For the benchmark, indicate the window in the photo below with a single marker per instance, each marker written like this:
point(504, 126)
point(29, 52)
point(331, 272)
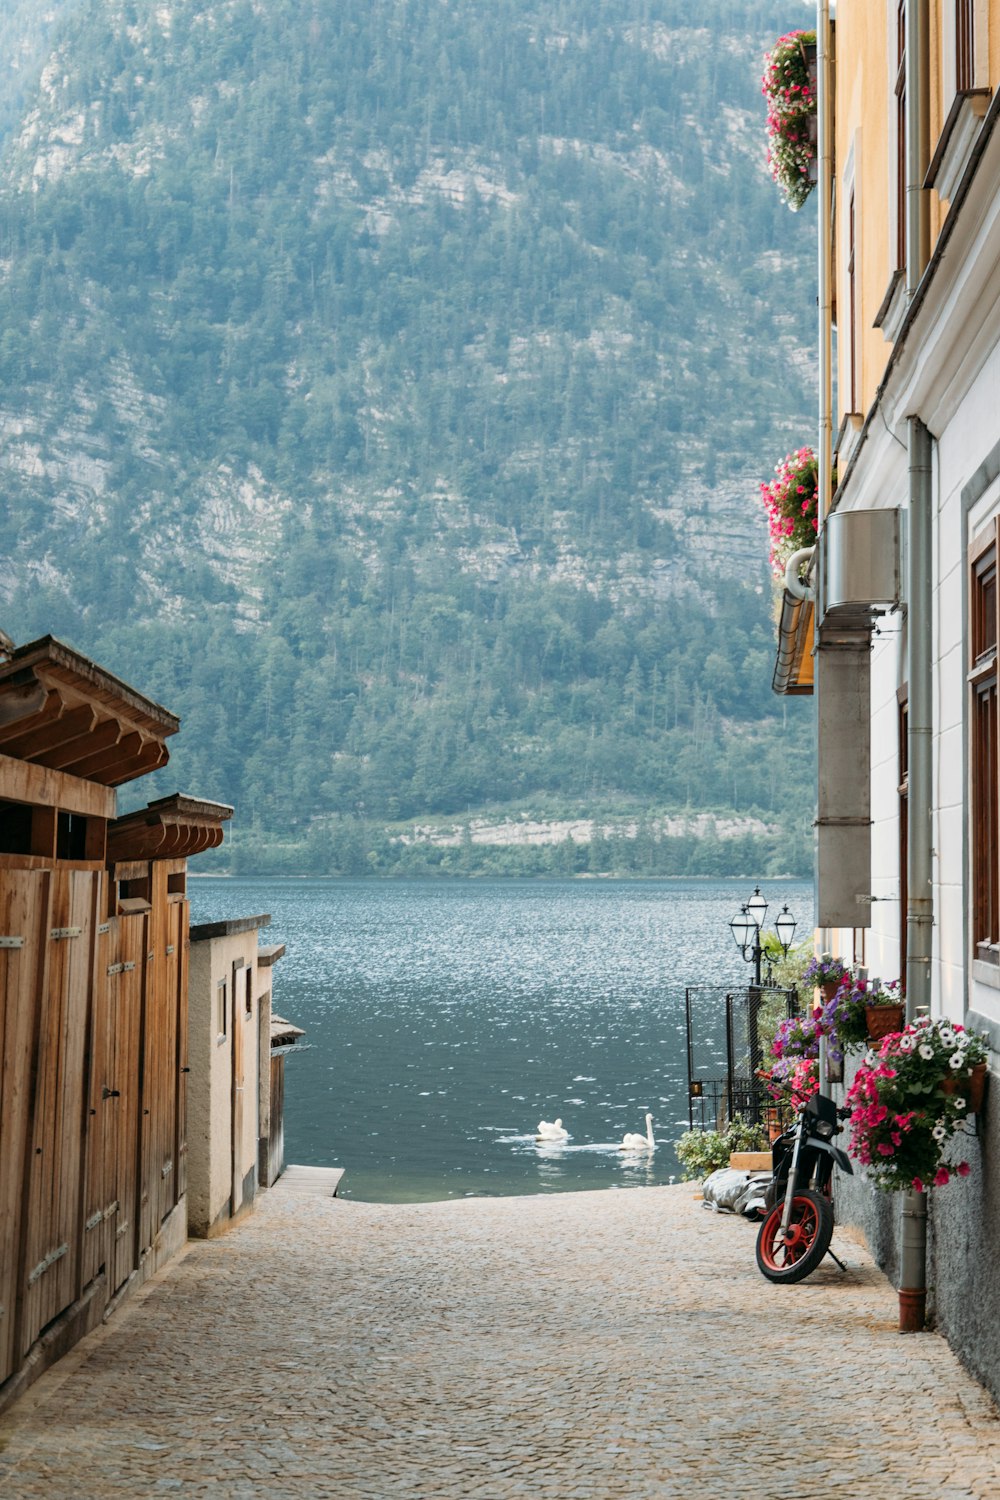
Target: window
point(852, 306)
point(965, 45)
point(222, 1009)
point(985, 766)
point(248, 992)
point(901, 135)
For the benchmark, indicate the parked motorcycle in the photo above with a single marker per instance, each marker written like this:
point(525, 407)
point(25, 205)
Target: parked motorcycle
point(798, 1220)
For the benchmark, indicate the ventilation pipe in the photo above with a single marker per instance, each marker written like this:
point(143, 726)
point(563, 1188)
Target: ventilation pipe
point(793, 568)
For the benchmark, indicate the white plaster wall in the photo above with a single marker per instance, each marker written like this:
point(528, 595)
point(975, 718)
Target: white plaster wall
point(210, 1092)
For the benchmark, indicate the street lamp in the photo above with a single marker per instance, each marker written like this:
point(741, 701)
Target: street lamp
point(746, 928)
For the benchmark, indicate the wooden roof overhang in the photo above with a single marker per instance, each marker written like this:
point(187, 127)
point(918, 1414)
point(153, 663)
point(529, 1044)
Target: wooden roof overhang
point(793, 670)
point(58, 709)
point(170, 828)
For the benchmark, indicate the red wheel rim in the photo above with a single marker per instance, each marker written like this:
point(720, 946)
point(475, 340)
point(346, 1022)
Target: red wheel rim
point(780, 1251)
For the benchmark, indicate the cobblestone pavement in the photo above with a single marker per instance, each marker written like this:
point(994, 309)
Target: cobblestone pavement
point(591, 1345)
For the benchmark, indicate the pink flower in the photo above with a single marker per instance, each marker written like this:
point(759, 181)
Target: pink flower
point(941, 1176)
point(963, 1169)
point(917, 1185)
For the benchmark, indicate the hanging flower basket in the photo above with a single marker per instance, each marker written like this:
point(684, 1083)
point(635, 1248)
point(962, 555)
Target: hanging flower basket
point(973, 1087)
point(909, 1102)
point(789, 86)
point(790, 501)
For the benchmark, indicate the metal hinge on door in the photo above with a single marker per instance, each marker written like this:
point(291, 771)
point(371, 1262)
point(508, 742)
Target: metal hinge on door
point(104, 927)
point(64, 932)
point(11, 942)
point(115, 968)
point(127, 968)
point(43, 1265)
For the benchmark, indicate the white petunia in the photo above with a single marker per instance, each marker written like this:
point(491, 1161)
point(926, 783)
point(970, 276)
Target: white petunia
point(960, 1105)
point(956, 1060)
point(948, 1036)
point(907, 1043)
point(926, 1052)
point(939, 1132)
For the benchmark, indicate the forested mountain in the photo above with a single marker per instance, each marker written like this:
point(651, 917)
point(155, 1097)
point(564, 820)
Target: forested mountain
point(385, 385)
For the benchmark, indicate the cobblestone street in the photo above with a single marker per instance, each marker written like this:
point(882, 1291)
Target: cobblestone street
point(593, 1345)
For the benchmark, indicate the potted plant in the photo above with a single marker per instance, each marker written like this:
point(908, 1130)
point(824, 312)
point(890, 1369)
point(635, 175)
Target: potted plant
point(826, 974)
point(789, 86)
point(702, 1152)
point(884, 1010)
point(860, 1011)
point(790, 502)
point(909, 1101)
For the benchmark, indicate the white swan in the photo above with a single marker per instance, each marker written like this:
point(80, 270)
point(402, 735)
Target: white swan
point(633, 1141)
point(549, 1130)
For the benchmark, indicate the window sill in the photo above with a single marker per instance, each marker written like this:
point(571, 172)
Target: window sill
point(954, 147)
point(985, 973)
point(894, 304)
point(847, 437)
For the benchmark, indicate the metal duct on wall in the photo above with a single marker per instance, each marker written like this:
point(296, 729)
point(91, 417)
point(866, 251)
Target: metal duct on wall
point(861, 558)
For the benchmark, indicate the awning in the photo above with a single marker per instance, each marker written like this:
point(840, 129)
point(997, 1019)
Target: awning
point(170, 828)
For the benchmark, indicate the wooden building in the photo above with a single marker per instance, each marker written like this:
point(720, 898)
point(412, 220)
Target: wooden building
point(93, 1001)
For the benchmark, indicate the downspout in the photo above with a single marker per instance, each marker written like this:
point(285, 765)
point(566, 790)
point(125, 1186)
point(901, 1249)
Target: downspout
point(920, 906)
point(919, 604)
point(824, 153)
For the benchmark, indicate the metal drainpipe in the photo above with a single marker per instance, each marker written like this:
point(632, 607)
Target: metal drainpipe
point(919, 914)
point(920, 906)
point(824, 153)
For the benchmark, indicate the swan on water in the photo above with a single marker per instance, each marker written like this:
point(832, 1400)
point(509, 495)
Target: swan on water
point(633, 1141)
point(549, 1130)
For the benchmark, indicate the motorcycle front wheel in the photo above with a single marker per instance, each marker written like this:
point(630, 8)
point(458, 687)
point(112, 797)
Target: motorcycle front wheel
point(796, 1255)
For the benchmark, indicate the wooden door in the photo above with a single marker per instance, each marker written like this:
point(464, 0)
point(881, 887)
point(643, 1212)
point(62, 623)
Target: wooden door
point(123, 1100)
point(99, 1178)
point(54, 1197)
point(24, 927)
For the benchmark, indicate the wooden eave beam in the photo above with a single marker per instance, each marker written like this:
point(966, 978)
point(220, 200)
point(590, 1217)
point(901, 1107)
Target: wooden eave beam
point(24, 697)
point(80, 748)
point(151, 757)
point(53, 726)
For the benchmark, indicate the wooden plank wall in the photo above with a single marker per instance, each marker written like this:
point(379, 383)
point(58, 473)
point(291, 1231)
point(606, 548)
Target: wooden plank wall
point(93, 1041)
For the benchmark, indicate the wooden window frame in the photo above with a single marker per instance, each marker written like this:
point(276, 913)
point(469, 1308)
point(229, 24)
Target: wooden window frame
point(900, 93)
point(965, 46)
point(984, 754)
point(852, 300)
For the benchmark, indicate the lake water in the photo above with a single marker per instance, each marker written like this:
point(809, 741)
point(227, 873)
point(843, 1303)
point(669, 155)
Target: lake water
point(446, 1018)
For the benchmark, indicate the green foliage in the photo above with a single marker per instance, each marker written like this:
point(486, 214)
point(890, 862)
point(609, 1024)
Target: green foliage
point(476, 304)
point(701, 1152)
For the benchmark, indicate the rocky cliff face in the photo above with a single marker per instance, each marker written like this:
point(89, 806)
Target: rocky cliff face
point(321, 316)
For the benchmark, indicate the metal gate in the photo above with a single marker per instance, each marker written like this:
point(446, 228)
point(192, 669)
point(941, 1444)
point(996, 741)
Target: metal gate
point(728, 1031)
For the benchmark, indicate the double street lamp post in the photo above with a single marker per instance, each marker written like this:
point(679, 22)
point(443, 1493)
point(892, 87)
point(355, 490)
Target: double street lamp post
point(747, 927)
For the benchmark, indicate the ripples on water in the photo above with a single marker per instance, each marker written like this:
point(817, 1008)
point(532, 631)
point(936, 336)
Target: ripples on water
point(445, 1019)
